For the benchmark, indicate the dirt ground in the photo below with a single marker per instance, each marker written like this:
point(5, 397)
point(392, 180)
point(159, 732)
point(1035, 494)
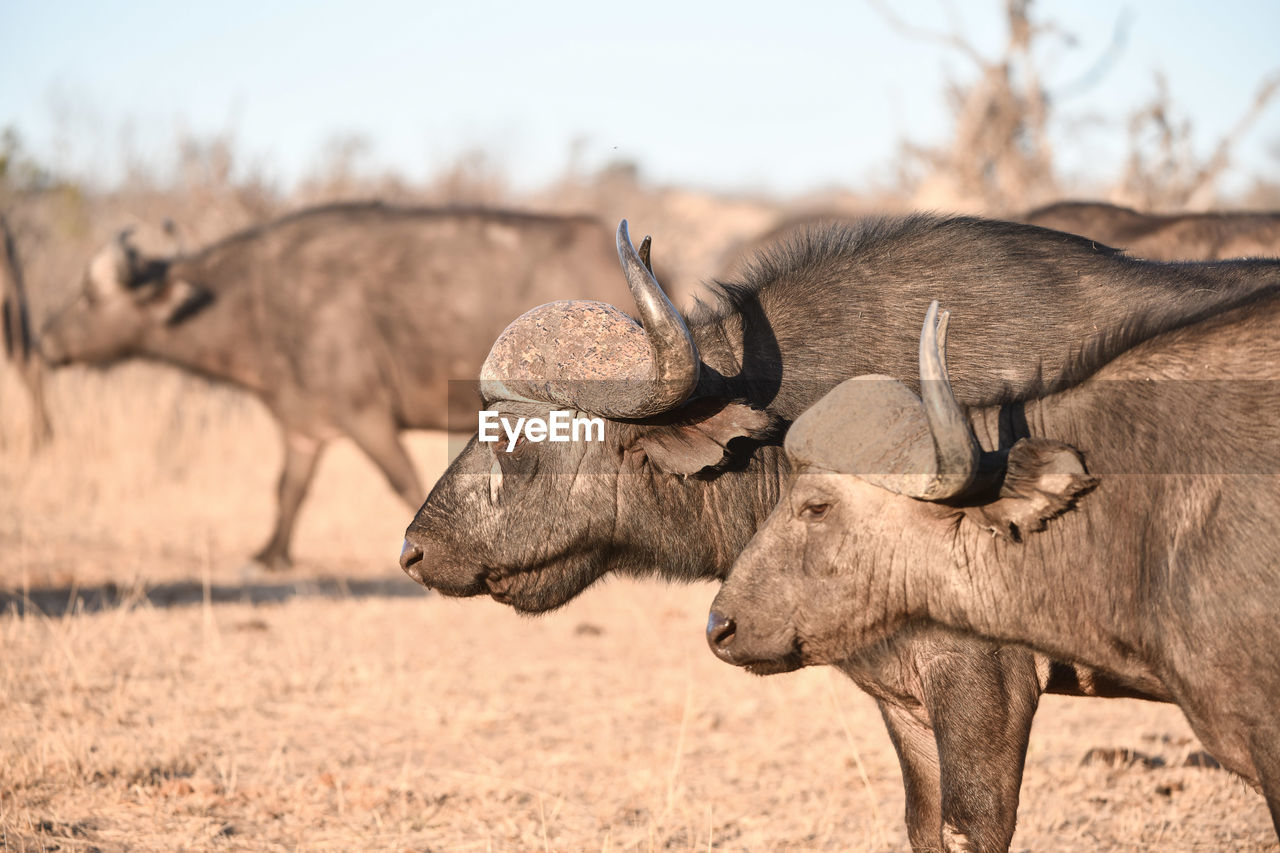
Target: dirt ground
point(155, 695)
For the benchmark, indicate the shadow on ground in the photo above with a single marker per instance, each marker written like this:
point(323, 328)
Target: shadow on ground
point(58, 601)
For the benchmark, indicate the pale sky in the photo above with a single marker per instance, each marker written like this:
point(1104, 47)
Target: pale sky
point(731, 96)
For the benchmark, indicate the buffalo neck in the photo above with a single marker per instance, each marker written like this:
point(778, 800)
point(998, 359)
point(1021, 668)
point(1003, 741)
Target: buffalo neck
point(1185, 461)
point(1048, 584)
point(222, 341)
point(1066, 590)
point(1060, 590)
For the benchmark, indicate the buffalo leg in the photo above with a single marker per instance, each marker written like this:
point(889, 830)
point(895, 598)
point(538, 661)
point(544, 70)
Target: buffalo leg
point(914, 742)
point(1271, 789)
point(1266, 758)
point(981, 701)
point(41, 431)
point(300, 455)
point(380, 440)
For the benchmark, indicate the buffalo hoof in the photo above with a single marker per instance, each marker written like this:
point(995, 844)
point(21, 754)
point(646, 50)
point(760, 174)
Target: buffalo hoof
point(270, 561)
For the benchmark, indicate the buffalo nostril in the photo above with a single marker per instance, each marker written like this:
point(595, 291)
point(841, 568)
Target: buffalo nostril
point(720, 630)
point(410, 555)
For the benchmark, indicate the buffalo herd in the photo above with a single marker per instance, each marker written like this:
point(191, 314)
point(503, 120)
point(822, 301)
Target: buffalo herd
point(1066, 481)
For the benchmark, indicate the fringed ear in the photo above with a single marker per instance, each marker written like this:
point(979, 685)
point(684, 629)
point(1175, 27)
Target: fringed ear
point(175, 301)
point(697, 436)
point(1043, 479)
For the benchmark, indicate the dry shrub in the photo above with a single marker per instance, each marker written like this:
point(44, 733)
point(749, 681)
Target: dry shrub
point(1162, 170)
point(999, 156)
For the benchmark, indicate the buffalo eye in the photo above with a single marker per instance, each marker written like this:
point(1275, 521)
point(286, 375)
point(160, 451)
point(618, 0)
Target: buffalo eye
point(515, 459)
point(814, 511)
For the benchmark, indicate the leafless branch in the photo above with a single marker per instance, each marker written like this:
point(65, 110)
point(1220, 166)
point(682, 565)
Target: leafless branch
point(1101, 65)
point(1221, 157)
point(952, 40)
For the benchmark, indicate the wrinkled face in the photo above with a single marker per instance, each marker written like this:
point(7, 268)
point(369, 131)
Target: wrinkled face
point(117, 304)
point(535, 526)
point(816, 584)
point(530, 526)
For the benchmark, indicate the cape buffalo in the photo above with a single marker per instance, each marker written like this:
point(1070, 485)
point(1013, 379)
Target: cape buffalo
point(1166, 237)
point(1159, 561)
point(15, 333)
point(348, 319)
point(690, 464)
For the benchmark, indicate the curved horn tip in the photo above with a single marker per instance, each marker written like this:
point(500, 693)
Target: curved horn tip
point(931, 317)
point(646, 246)
point(928, 334)
point(675, 355)
point(933, 336)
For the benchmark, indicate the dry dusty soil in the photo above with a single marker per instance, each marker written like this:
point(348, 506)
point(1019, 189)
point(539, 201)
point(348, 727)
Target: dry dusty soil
point(156, 696)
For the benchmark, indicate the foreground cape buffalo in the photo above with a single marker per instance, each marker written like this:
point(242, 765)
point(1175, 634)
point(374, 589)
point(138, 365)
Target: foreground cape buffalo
point(690, 464)
point(347, 320)
point(1164, 566)
point(1166, 237)
point(15, 334)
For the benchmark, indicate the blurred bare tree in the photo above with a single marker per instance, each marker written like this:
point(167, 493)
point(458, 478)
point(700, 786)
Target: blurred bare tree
point(1264, 194)
point(212, 176)
point(999, 157)
point(473, 178)
point(345, 171)
point(19, 171)
point(1162, 170)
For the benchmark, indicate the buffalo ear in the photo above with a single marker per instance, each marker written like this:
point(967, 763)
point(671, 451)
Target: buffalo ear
point(1043, 479)
point(178, 299)
point(697, 436)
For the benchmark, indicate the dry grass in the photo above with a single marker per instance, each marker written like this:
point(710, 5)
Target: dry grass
point(358, 713)
point(425, 724)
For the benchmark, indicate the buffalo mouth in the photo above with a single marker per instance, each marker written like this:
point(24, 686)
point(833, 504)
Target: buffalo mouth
point(789, 662)
point(519, 590)
point(761, 662)
point(499, 585)
point(543, 586)
point(452, 591)
point(436, 567)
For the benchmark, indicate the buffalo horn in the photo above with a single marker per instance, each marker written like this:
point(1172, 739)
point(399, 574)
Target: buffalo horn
point(675, 356)
point(957, 451)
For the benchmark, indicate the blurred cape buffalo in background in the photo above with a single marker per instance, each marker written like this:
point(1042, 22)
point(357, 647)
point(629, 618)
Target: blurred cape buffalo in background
point(691, 462)
point(1157, 237)
point(1166, 237)
point(1159, 563)
point(19, 344)
point(345, 320)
